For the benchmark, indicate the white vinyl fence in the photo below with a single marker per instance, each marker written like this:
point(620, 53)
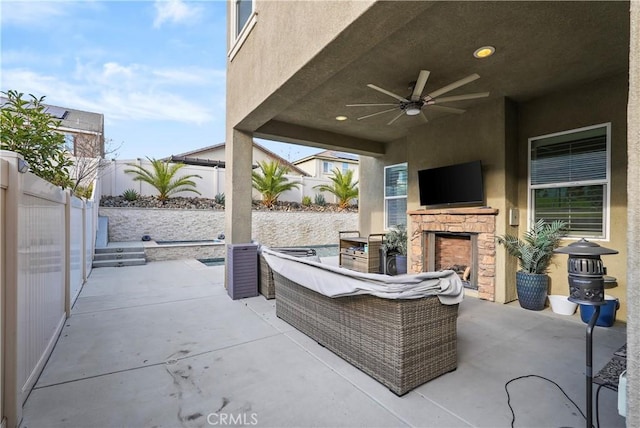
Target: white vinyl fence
point(115, 181)
point(43, 252)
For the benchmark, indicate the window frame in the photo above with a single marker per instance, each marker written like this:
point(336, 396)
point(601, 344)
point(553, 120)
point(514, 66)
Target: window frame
point(328, 169)
point(239, 36)
point(606, 183)
point(386, 198)
point(70, 142)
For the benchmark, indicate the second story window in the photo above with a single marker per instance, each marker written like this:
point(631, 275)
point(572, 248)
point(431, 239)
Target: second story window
point(69, 143)
point(243, 11)
point(345, 167)
point(326, 167)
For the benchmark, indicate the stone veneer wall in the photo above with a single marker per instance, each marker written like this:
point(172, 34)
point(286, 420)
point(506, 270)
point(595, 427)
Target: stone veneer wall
point(272, 228)
point(480, 221)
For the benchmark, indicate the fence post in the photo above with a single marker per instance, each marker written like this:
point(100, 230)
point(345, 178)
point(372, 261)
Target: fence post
point(84, 241)
point(11, 394)
point(67, 254)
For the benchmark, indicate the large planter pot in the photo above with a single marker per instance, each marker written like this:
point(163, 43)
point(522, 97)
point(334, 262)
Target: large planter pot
point(401, 264)
point(532, 290)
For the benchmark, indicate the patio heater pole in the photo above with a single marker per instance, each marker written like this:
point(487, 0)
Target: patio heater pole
point(589, 370)
point(586, 287)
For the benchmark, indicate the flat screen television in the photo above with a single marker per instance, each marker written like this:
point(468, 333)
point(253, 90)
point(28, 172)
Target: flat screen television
point(459, 184)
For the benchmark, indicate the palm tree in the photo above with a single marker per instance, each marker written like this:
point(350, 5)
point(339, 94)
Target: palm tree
point(342, 187)
point(271, 181)
point(162, 178)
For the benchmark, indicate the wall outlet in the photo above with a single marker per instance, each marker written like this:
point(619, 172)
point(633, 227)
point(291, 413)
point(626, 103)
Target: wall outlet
point(514, 217)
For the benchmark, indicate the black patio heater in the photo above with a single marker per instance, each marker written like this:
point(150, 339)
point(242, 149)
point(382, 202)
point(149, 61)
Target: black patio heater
point(586, 287)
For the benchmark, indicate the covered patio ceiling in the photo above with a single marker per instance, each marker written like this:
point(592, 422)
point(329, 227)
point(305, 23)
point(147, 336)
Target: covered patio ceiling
point(541, 47)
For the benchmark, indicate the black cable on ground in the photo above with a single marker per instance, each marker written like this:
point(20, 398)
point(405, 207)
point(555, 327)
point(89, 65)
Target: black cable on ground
point(513, 415)
point(598, 405)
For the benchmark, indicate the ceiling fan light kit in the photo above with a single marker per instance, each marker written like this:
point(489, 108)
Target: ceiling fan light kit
point(413, 104)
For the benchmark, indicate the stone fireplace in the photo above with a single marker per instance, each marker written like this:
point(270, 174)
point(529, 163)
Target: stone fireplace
point(461, 239)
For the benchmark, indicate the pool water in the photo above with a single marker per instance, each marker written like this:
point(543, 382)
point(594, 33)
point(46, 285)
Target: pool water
point(203, 241)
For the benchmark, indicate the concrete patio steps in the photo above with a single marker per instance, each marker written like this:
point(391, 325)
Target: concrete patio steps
point(118, 256)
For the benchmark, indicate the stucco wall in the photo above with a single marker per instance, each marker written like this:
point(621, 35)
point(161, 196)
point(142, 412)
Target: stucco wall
point(273, 228)
point(275, 49)
point(486, 133)
point(595, 103)
point(633, 234)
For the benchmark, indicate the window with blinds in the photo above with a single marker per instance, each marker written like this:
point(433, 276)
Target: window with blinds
point(569, 180)
point(395, 195)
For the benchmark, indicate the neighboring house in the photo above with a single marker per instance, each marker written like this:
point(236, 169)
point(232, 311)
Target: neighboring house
point(215, 156)
point(322, 165)
point(83, 130)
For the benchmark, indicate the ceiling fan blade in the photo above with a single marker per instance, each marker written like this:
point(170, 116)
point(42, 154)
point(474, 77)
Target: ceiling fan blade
point(395, 118)
point(423, 117)
point(384, 91)
point(375, 114)
point(461, 97)
point(370, 105)
point(420, 84)
point(446, 109)
point(452, 86)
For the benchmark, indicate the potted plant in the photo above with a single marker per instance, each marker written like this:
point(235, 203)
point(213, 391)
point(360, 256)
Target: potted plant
point(395, 244)
point(534, 253)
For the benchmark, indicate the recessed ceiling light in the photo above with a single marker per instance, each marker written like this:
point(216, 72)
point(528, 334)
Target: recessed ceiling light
point(484, 52)
point(341, 118)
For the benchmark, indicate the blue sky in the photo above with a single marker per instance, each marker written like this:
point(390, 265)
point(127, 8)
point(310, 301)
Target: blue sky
point(155, 69)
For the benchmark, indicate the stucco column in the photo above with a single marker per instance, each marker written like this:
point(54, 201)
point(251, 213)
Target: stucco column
point(633, 222)
point(237, 188)
point(370, 196)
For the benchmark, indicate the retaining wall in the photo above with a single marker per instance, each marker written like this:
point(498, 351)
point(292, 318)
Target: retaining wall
point(272, 228)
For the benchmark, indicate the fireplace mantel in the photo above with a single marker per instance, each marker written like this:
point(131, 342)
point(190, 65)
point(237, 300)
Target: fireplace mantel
point(456, 211)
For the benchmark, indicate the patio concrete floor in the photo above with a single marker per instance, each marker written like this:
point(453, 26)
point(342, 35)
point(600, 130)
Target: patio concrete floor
point(162, 345)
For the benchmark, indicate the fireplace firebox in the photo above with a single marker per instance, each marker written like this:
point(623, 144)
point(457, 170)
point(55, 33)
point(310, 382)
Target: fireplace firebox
point(456, 251)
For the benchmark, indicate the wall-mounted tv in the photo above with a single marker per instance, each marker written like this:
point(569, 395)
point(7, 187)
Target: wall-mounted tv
point(459, 184)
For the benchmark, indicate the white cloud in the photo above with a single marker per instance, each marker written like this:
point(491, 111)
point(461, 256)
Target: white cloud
point(174, 11)
point(129, 92)
point(190, 76)
point(25, 13)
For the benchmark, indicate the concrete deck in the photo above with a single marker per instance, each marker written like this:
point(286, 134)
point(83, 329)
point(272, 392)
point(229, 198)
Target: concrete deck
point(162, 345)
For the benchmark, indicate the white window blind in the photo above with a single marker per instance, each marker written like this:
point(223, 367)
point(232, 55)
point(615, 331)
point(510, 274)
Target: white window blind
point(569, 180)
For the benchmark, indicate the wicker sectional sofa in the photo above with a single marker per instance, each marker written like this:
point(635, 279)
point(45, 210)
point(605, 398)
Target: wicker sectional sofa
point(402, 343)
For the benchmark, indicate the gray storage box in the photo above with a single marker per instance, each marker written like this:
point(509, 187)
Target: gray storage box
point(242, 270)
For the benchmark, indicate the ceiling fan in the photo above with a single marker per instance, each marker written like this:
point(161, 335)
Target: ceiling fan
point(413, 104)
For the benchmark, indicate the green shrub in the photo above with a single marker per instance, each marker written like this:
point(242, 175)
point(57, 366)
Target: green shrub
point(306, 201)
point(320, 200)
point(130, 195)
point(27, 128)
point(84, 191)
point(219, 199)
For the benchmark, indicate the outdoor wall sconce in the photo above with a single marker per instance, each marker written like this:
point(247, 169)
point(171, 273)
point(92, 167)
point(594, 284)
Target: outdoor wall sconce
point(23, 166)
point(586, 287)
